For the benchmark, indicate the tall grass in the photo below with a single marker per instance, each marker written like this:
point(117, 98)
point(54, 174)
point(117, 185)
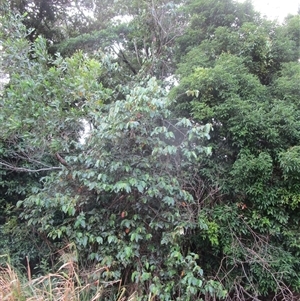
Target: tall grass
point(67, 284)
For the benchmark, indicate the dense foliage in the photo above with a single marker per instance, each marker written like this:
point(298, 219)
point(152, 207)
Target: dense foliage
point(238, 73)
point(189, 193)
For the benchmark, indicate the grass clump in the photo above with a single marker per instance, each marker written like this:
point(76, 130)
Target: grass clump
point(66, 284)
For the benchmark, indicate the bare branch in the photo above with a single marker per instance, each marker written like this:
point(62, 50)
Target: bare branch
point(23, 169)
point(27, 158)
point(127, 62)
point(136, 53)
point(88, 19)
point(61, 160)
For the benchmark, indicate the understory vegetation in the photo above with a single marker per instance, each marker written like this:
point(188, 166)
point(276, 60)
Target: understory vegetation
point(149, 150)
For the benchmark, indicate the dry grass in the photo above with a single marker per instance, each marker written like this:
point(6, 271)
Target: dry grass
point(10, 286)
point(67, 284)
point(61, 286)
point(64, 285)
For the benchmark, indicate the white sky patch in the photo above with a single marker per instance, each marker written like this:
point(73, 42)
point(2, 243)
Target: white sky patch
point(171, 82)
point(276, 9)
point(4, 78)
point(87, 128)
point(122, 19)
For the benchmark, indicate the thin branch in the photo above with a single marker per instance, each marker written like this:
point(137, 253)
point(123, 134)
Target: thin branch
point(61, 160)
point(136, 52)
point(27, 158)
point(23, 169)
point(88, 19)
point(124, 59)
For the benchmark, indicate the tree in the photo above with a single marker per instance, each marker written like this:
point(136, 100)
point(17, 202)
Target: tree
point(125, 196)
point(232, 79)
point(144, 44)
point(205, 16)
point(42, 116)
point(45, 17)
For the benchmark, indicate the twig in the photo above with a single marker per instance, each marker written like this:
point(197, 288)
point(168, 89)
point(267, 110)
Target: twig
point(23, 169)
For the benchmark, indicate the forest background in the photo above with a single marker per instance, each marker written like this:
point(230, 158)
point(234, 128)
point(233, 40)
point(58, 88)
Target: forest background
point(186, 186)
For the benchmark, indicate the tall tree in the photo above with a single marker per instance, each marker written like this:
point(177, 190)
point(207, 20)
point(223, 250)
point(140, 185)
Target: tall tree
point(33, 139)
point(232, 77)
point(124, 196)
point(144, 42)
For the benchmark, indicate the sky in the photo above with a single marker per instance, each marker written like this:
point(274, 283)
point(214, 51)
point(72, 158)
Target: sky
point(276, 9)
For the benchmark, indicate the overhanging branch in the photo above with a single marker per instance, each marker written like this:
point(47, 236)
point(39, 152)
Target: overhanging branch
point(11, 167)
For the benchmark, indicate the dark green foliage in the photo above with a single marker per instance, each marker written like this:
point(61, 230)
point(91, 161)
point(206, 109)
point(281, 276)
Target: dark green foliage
point(124, 197)
point(41, 113)
point(244, 79)
point(172, 208)
point(40, 15)
point(205, 16)
point(126, 200)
